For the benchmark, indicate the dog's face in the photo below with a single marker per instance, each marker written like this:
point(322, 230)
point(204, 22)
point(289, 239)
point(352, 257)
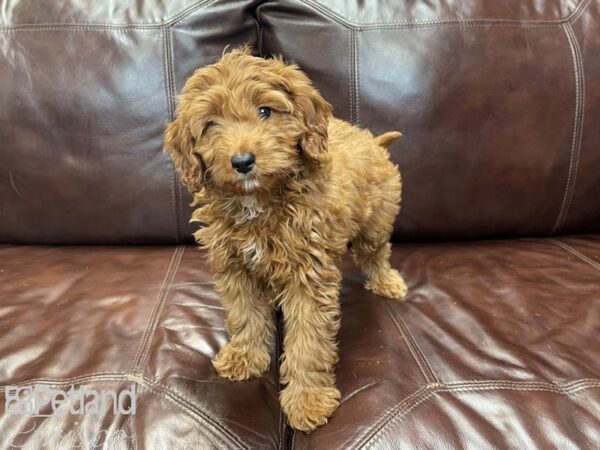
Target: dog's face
point(246, 124)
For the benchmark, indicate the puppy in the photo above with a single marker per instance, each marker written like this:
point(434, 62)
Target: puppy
point(283, 188)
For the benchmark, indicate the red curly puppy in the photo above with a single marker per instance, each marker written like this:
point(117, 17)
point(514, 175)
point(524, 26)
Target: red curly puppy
point(284, 186)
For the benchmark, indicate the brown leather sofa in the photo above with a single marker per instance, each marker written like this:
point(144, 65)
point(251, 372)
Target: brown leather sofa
point(498, 342)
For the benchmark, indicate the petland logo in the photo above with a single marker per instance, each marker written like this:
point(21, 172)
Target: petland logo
point(43, 401)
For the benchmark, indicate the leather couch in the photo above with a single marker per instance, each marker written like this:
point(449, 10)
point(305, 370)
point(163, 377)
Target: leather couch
point(498, 342)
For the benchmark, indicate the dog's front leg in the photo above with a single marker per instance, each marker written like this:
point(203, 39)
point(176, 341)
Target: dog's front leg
point(249, 324)
point(310, 306)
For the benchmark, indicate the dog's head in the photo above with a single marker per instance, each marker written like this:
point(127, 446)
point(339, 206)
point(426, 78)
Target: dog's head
point(246, 124)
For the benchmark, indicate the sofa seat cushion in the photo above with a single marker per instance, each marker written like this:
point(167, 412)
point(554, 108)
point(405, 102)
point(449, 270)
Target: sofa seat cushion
point(496, 345)
point(111, 317)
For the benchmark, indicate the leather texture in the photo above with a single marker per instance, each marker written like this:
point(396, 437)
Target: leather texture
point(109, 317)
point(498, 342)
point(496, 346)
point(86, 91)
point(495, 99)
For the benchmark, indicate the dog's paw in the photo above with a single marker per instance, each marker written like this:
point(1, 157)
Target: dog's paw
point(307, 408)
point(389, 284)
point(239, 365)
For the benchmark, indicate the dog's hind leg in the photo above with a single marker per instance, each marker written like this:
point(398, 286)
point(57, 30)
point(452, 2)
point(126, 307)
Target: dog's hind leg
point(371, 249)
point(374, 262)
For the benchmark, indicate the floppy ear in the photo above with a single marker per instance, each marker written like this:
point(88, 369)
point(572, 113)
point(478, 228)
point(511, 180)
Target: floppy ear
point(315, 113)
point(312, 111)
point(179, 144)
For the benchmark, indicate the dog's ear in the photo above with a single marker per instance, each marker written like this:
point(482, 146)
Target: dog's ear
point(179, 144)
point(314, 113)
point(310, 108)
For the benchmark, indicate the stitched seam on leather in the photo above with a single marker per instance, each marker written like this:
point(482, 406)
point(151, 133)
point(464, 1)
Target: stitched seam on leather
point(170, 116)
point(356, 79)
point(161, 305)
point(75, 28)
point(422, 395)
point(382, 422)
point(510, 384)
point(578, 11)
point(158, 306)
point(577, 128)
point(259, 32)
point(171, 99)
point(351, 74)
point(413, 347)
point(576, 253)
point(174, 19)
point(443, 21)
point(186, 404)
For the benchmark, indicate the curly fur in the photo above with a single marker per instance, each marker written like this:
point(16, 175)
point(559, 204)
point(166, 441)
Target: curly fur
point(275, 235)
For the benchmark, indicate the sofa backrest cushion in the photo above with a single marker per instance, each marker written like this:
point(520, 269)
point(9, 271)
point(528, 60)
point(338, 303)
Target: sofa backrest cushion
point(497, 102)
point(86, 89)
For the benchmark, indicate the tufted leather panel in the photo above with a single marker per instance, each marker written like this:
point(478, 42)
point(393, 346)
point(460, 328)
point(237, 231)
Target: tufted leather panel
point(86, 91)
point(494, 100)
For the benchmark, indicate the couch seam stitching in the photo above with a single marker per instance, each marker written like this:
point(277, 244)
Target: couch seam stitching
point(180, 218)
point(161, 305)
point(427, 392)
point(159, 298)
point(176, 18)
point(351, 74)
point(491, 21)
point(356, 78)
point(381, 423)
point(413, 347)
point(173, 176)
point(577, 129)
point(260, 29)
point(186, 404)
point(576, 253)
point(170, 93)
point(578, 11)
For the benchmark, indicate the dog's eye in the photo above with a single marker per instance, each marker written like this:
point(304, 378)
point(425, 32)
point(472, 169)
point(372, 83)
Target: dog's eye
point(264, 112)
point(211, 124)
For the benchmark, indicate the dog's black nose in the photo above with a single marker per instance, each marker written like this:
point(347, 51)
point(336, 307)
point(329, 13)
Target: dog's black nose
point(243, 162)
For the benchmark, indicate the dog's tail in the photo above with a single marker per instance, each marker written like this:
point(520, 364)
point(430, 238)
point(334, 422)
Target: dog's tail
point(386, 139)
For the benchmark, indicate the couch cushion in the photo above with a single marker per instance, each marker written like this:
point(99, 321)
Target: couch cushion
point(495, 99)
point(108, 318)
point(86, 89)
point(496, 346)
